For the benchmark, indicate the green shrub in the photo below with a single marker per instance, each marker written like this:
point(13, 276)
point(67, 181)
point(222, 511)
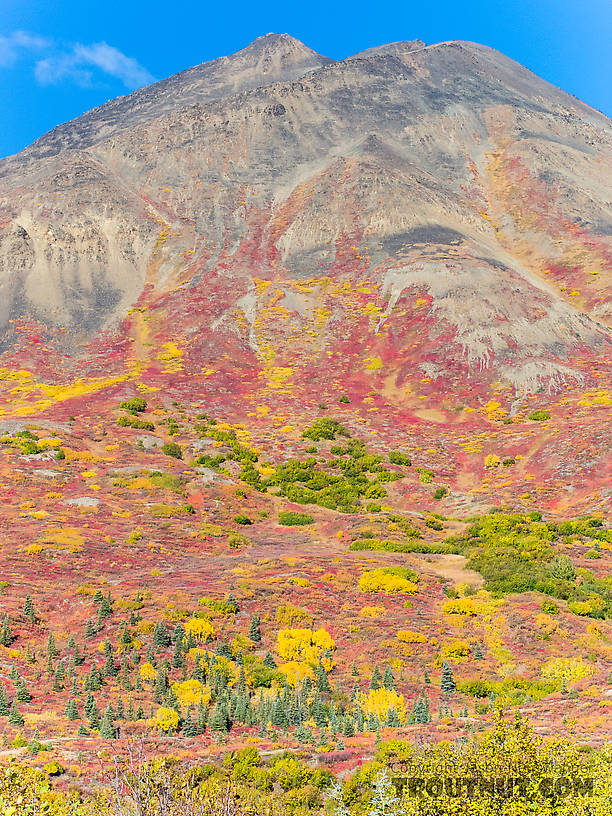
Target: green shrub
point(242, 519)
point(136, 405)
point(172, 449)
point(539, 416)
point(325, 428)
point(440, 492)
point(135, 422)
point(399, 458)
point(291, 519)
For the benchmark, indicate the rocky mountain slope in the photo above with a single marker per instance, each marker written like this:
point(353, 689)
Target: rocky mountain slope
point(428, 227)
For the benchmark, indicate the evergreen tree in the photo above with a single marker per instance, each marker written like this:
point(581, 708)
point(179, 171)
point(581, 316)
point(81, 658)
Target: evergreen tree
point(21, 692)
point(6, 635)
point(447, 680)
point(254, 630)
point(120, 710)
point(161, 638)
point(78, 657)
point(388, 679)
point(178, 661)
point(179, 635)
point(4, 701)
point(376, 680)
point(219, 720)
point(82, 732)
point(58, 678)
point(478, 652)
point(201, 719)
point(189, 729)
point(90, 629)
point(105, 609)
point(98, 597)
point(322, 679)
point(279, 715)
point(72, 712)
point(14, 716)
point(130, 714)
point(269, 661)
point(51, 647)
point(110, 669)
point(93, 681)
point(318, 711)
point(107, 725)
point(28, 610)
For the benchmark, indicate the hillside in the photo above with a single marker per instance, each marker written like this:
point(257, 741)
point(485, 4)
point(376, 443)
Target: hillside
point(322, 342)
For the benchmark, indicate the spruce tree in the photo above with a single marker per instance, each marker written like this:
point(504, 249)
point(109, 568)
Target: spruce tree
point(254, 630)
point(279, 715)
point(107, 725)
point(269, 661)
point(51, 647)
point(14, 716)
point(6, 635)
point(21, 692)
point(4, 701)
point(189, 729)
point(447, 680)
point(72, 712)
point(201, 718)
point(58, 678)
point(478, 652)
point(90, 629)
point(388, 679)
point(322, 679)
point(28, 610)
point(179, 634)
point(161, 638)
point(219, 718)
point(376, 679)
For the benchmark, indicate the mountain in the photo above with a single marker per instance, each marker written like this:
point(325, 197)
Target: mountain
point(305, 434)
point(425, 226)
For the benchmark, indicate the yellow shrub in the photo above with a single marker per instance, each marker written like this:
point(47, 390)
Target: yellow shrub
point(472, 605)
point(34, 549)
point(491, 461)
point(191, 692)
point(545, 625)
point(210, 530)
point(457, 650)
point(569, 669)
point(201, 629)
point(372, 611)
point(381, 701)
point(304, 645)
point(147, 672)
point(294, 670)
point(302, 582)
point(407, 636)
point(166, 719)
point(379, 580)
point(288, 614)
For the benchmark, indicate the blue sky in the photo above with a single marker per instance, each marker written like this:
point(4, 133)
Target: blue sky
point(59, 59)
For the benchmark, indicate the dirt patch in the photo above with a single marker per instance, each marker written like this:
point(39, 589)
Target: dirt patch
point(452, 568)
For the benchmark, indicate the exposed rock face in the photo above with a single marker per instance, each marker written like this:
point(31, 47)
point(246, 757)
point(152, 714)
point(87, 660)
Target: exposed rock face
point(437, 208)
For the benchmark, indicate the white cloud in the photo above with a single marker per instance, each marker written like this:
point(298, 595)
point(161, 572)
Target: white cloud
point(13, 46)
point(113, 62)
point(78, 63)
